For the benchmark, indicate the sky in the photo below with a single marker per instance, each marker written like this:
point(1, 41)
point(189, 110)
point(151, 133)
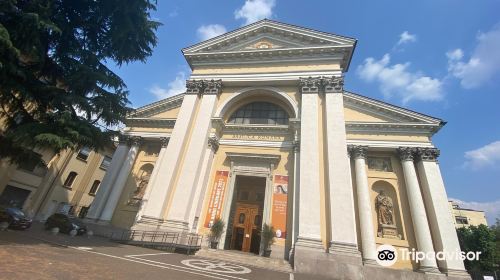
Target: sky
point(438, 57)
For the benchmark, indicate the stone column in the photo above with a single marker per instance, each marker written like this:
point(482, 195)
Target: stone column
point(440, 218)
point(368, 243)
point(108, 181)
point(343, 221)
point(169, 166)
point(185, 191)
point(154, 175)
point(417, 209)
point(121, 180)
point(296, 187)
point(202, 183)
point(309, 235)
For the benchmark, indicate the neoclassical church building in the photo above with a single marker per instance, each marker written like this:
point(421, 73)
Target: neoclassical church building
point(266, 134)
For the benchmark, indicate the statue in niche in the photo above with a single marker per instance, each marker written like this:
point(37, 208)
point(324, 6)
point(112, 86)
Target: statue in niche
point(142, 183)
point(385, 216)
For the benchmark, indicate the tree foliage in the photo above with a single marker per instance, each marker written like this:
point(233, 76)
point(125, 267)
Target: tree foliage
point(479, 239)
point(55, 88)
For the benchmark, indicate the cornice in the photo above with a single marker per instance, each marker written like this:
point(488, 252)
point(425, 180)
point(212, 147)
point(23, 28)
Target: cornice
point(150, 122)
point(267, 129)
point(391, 128)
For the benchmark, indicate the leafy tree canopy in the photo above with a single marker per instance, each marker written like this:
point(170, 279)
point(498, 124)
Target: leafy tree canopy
point(55, 88)
point(479, 239)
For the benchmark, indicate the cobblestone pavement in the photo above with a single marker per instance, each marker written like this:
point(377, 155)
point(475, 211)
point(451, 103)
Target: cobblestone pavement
point(36, 254)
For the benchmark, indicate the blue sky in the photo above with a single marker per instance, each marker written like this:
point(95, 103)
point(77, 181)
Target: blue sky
point(440, 58)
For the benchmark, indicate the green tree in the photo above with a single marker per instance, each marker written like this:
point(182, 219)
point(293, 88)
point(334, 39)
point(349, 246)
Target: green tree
point(496, 229)
point(56, 91)
point(479, 239)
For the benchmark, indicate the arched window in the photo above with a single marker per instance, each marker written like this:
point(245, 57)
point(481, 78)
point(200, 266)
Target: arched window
point(94, 187)
point(260, 113)
point(70, 179)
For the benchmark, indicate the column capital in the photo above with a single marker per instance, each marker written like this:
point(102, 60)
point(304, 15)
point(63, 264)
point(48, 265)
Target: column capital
point(164, 141)
point(213, 143)
point(200, 87)
point(123, 139)
point(135, 140)
point(194, 86)
point(406, 153)
point(333, 84)
point(296, 146)
point(357, 151)
point(427, 154)
point(212, 86)
point(310, 84)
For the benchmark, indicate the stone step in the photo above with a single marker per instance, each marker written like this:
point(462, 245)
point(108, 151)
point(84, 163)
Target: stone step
point(246, 259)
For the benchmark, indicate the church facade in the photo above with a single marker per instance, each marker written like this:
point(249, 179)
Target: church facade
point(266, 134)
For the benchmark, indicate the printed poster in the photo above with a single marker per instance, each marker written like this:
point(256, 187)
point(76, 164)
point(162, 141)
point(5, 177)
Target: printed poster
point(217, 197)
point(280, 198)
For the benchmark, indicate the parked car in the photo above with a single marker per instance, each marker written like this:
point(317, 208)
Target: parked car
point(65, 224)
point(15, 217)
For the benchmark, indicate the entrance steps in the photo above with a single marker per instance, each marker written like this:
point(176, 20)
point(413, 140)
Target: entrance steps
point(247, 259)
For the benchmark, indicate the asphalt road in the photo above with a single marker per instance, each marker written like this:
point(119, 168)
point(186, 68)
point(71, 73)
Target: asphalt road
point(40, 255)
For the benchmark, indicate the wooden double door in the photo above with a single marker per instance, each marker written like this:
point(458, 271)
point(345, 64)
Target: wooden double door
point(247, 225)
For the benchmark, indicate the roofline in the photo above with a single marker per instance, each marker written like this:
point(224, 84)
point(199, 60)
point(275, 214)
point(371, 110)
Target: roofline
point(441, 121)
point(271, 21)
point(151, 105)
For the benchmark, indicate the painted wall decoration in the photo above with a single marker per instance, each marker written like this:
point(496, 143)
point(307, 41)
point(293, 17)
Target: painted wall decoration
point(216, 197)
point(280, 200)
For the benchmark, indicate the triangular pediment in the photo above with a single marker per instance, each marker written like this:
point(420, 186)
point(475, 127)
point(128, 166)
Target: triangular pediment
point(268, 34)
point(163, 109)
point(363, 108)
point(267, 38)
point(363, 113)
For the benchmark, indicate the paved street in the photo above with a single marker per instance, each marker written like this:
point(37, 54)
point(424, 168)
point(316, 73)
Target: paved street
point(36, 254)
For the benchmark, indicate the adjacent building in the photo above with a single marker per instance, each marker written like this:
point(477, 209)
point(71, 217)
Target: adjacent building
point(463, 217)
point(68, 183)
point(266, 133)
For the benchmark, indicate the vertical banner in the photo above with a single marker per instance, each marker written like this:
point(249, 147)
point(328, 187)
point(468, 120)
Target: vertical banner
point(280, 198)
point(217, 197)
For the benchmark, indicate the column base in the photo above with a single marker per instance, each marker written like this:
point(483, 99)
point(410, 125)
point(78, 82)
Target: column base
point(97, 221)
point(457, 274)
point(370, 262)
point(429, 270)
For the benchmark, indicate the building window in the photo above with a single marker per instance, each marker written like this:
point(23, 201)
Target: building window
point(83, 212)
point(260, 113)
point(94, 187)
point(83, 154)
point(106, 162)
point(70, 179)
point(462, 220)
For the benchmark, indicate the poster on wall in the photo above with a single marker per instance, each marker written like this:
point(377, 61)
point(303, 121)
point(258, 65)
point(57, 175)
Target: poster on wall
point(280, 198)
point(216, 197)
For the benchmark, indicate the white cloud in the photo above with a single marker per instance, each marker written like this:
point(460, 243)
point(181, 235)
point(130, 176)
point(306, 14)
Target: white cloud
point(491, 209)
point(483, 64)
point(178, 85)
point(209, 31)
point(488, 155)
point(406, 37)
point(397, 80)
point(254, 10)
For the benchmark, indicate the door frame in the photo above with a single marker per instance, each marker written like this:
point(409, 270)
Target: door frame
point(252, 165)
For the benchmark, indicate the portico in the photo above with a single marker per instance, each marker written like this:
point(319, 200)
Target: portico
point(266, 134)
